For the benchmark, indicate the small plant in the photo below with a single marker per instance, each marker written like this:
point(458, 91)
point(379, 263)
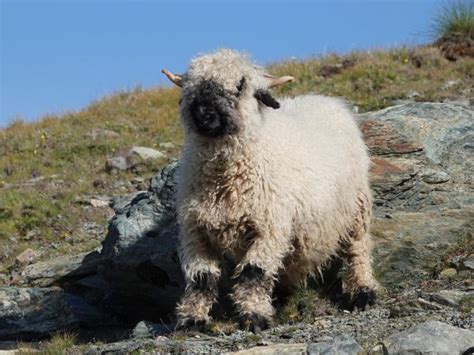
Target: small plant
point(455, 18)
point(454, 29)
point(60, 343)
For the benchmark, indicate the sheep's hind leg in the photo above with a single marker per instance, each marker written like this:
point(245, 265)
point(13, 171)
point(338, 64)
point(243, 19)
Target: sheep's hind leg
point(361, 282)
point(252, 296)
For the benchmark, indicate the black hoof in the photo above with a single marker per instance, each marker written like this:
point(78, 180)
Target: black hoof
point(363, 298)
point(253, 322)
point(196, 325)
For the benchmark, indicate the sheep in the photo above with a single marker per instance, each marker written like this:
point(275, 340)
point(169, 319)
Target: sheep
point(268, 190)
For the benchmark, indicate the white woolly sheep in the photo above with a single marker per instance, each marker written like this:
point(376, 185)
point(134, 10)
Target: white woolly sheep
point(268, 190)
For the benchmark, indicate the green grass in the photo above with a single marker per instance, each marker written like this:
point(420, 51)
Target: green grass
point(48, 215)
point(376, 78)
point(59, 344)
point(455, 18)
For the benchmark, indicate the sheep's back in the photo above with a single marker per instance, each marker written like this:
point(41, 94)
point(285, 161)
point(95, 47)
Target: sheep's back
point(319, 156)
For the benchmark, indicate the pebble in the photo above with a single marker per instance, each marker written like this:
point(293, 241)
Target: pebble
point(147, 153)
point(28, 256)
point(468, 263)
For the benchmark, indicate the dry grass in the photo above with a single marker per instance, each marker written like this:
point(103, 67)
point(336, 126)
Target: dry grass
point(373, 80)
point(47, 215)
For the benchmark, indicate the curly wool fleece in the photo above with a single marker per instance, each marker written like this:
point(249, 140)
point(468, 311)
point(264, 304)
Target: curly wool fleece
point(273, 200)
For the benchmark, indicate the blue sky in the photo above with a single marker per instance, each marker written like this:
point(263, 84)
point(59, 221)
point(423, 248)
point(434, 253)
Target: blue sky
point(58, 56)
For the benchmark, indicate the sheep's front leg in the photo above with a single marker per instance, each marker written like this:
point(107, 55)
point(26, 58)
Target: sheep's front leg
point(255, 276)
point(252, 297)
point(201, 273)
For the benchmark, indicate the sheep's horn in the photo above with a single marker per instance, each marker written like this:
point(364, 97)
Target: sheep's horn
point(274, 81)
point(175, 78)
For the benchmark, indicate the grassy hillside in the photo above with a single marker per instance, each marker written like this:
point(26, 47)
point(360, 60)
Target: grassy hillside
point(50, 170)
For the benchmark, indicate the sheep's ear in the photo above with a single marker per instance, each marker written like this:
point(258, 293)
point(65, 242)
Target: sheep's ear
point(174, 78)
point(273, 81)
point(266, 98)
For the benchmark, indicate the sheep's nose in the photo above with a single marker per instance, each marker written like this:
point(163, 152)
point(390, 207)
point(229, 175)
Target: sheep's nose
point(208, 117)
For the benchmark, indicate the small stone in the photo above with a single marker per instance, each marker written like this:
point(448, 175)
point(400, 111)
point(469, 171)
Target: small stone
point(379, 349)
point(450, 84)
point(146, 329)
point(99, 202)
point(147, 153)
point(98, 183)
point(30, 235)
point(344, 344)
point(141, 330)
point(448, 273)
point(435, 177)
point(119, 163)
point(139, 183)
point(468, 263)
point(166, 145)
point(27, 257)
point(97, 133)
point(274, 349)
point(450, 298)
point(413, 95)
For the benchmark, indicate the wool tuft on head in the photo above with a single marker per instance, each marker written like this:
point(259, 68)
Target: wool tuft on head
point(221, 89)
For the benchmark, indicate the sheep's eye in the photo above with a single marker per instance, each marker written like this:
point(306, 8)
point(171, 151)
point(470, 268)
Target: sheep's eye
point(241, 86)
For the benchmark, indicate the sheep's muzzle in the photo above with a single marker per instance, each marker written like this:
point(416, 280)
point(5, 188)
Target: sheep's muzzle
point(213, 110)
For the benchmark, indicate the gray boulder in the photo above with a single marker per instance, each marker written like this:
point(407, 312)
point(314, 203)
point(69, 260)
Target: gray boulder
point(139, 256)
point(33, 312)
point(431, 338)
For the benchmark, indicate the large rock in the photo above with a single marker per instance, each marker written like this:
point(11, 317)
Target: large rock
point(139, 257)
point(431, 338)
point(33, 312)
point(422, 156)
point(422, 185)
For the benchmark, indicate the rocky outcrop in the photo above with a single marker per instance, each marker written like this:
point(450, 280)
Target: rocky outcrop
point(422, 184)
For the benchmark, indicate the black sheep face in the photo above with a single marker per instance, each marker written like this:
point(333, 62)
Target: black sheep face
point(224, 94)
point(213, 110)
